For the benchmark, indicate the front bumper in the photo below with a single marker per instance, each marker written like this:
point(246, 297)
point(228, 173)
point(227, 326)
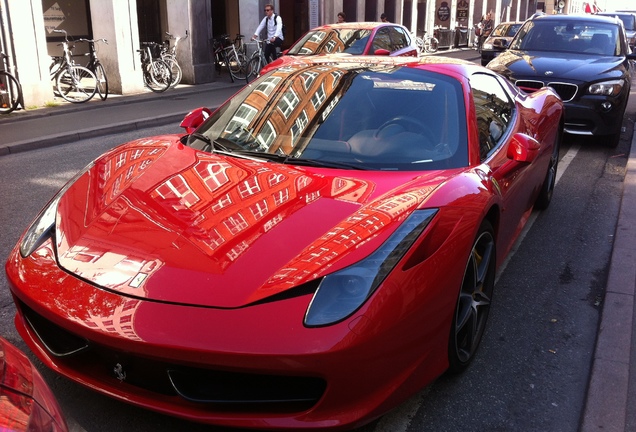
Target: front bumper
point(594, 115)
point(253, 367)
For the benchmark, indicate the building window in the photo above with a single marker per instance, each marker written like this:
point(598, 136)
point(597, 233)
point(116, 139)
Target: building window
point(288, 102)
point(241, 119)
point(268, 85)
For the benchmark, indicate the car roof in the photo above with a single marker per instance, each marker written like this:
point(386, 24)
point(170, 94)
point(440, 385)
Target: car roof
point(356, 25)
point(576, 18)
point(459, 66)
point(616, 13)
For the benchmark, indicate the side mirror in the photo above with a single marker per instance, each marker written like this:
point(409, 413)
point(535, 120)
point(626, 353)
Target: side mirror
point(523, 148)
point(382, 52)
point(194, 119)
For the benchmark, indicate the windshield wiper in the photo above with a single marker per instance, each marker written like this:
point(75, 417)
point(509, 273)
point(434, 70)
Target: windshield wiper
point(215, 145)
point(286, 159)
point(324, 163)
point(220, 144)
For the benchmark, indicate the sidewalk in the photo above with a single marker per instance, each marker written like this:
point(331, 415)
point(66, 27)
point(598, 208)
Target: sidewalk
point(609, 406)
point(44, 127)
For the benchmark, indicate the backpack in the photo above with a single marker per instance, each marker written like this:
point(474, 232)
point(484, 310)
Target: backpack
point(283, 29)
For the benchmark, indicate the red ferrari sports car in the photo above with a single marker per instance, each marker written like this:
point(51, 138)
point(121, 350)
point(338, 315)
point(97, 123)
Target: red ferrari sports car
point(352, 38)
point(309, 255)
point(26, 402)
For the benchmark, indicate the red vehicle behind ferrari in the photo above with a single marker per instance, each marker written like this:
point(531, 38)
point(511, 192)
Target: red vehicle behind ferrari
point(309, 255)
point(350, 39)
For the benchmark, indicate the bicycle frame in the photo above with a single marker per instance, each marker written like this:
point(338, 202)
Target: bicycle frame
point(257, 61)
point(220, 55)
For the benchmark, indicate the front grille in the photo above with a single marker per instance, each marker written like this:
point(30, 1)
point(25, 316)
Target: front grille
point(217, 389)
point(208, 386)
point(566, 91)
point(57, 340)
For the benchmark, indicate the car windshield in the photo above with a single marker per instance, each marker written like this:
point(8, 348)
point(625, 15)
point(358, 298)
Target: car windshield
point(567, 36)
point(506, 30)
point(629, 20)
point(380, 117)
point(352, 41)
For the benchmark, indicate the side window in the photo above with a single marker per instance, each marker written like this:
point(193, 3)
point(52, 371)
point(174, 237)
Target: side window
point(494, 111)
point(382, 40)
point(398, 39)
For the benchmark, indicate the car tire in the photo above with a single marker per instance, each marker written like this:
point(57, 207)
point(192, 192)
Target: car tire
point(473, 301)
point(545, 195)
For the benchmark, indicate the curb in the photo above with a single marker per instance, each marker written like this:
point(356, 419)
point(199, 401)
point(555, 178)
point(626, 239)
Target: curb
point(606, 406)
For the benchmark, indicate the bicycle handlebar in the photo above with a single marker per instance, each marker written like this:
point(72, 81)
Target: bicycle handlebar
point(93, 40)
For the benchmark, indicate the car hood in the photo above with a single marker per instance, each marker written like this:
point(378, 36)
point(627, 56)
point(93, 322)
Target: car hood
point(548, 66)
point(158, 220)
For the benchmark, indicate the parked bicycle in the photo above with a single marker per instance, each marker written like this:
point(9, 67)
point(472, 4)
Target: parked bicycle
point(169, 55)
point(96, 67)
point(156, 72)
point(257, 61)
point(419, 43)
point(431, 43)
point(239, 45)
point(226, 56)
point(237, 55)
point(74, 83)
point(10, 89)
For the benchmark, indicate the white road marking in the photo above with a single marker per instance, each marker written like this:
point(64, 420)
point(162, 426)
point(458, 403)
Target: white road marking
point(400, 418)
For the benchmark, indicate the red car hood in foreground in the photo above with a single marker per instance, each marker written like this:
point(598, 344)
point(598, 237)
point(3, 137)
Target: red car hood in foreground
point(155, 219)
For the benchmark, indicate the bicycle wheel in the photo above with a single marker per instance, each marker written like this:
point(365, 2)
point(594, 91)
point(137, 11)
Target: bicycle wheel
point(433, 44)
point(102, 81)
point(76, 84)
point(237, 64)
point(175, 69)
point(254, 66)
point(157, 76)
point(9, 93)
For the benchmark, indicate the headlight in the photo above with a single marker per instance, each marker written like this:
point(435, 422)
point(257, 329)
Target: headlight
point(40, 230)
point(43, 225)
point(343, 292)
point(487, 46)
point(607, 88)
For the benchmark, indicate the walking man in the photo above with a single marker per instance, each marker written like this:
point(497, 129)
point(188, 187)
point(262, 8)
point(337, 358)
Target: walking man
point(274, 25)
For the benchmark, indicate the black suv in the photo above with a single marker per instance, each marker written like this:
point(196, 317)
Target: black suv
point(585, 59)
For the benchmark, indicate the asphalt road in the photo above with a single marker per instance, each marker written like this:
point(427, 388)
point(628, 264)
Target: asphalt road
point(531, 372)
